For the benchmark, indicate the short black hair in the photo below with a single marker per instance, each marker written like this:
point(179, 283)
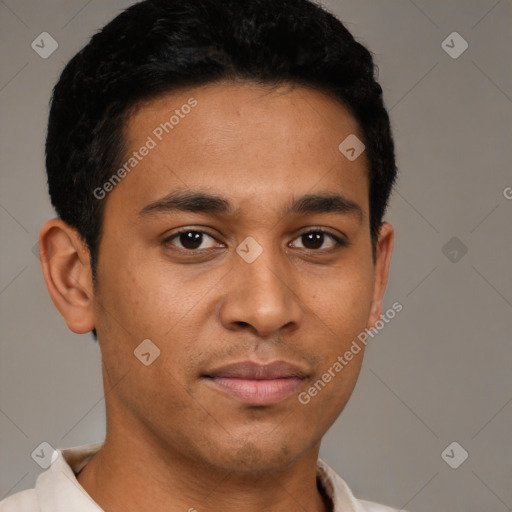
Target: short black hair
point(157, 46)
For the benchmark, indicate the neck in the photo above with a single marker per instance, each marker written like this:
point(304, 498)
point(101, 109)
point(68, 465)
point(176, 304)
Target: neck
point(122, 476)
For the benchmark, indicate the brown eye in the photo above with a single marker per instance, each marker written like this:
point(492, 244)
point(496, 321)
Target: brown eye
point(191, 240)
point(315, 240)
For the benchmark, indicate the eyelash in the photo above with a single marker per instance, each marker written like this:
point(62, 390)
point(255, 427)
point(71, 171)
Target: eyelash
point(340, 242)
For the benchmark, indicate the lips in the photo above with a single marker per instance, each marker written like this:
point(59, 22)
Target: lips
point(256, 384)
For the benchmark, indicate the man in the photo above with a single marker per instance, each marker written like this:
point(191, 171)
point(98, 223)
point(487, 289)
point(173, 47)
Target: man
point(220, 170)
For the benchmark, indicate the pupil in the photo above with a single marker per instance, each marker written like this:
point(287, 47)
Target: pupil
point(313, 239)
point(191, 239)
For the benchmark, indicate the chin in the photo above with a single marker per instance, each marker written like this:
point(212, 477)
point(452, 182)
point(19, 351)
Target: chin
point(256, 455)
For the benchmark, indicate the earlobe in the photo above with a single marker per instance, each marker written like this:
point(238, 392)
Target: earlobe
point(384, 251)
point(66, 268)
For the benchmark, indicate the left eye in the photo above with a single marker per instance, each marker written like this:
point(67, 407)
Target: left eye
point(314, 240)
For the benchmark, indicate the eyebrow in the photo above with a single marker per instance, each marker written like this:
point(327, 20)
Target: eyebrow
point(201, 202)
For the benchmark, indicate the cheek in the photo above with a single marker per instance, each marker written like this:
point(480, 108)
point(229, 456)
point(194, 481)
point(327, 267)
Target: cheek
point(138, 301)
point(144, 299)
point(148, 296)
point(341, 309)
point(342, 302)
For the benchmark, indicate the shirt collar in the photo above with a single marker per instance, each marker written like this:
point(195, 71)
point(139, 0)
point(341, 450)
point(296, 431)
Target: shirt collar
point(337, 489)
point(58, 489)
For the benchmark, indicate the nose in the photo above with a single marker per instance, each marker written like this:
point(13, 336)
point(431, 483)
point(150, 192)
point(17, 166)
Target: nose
point(261, 297)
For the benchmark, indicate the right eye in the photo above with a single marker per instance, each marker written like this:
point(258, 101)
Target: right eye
point(190, 240)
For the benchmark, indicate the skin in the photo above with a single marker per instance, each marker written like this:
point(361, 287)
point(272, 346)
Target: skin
point(170, 435)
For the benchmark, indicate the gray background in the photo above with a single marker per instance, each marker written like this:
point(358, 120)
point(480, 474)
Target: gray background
point(438, 373)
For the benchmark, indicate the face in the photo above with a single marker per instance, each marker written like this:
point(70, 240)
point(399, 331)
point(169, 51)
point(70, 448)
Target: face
point(239, 244)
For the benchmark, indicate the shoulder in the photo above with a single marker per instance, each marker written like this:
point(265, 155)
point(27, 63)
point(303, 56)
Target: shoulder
point(24, 501)
point(341, 495)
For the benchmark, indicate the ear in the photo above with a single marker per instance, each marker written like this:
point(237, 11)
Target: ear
point(65, 261)
point(383, 251)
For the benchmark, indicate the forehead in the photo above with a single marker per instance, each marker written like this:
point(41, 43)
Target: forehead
point(243, 140)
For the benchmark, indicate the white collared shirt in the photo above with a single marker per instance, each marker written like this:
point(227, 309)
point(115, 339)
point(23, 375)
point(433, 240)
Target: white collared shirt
point(58, 490)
